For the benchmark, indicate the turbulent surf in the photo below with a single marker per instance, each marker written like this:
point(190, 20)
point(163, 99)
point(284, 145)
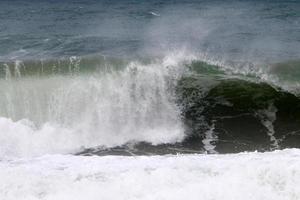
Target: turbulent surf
point(125, 99)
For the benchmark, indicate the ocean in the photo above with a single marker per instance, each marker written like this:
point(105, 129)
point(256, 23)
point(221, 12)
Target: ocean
point(157, 99)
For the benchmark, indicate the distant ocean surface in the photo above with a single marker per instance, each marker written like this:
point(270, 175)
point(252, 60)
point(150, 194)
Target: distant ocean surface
point(147, 89)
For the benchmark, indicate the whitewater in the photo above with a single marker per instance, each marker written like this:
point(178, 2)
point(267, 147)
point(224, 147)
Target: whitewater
point(39, 161)
point(153, 99)
point(246, 176)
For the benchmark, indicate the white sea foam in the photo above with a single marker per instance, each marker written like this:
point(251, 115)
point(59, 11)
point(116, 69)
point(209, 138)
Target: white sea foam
point(247, 176)
point(60, 114)
point(267, 118)
point(210, 137)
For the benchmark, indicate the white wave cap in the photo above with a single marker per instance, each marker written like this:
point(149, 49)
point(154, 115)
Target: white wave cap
point(64, 114)
point(246, 176)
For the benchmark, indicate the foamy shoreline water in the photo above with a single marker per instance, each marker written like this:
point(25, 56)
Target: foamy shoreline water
point(273, 175)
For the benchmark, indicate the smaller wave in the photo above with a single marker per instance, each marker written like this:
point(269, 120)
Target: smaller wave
point(61, 66)
point(154, 14)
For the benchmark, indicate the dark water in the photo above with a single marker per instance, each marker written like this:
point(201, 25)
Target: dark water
point(242, 30)
point(151, 77)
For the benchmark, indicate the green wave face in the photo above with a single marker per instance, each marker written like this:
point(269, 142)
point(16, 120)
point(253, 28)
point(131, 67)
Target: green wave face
point(63, 66)
point(244, 115)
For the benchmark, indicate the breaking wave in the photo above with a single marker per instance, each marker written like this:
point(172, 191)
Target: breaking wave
point(175, 104)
